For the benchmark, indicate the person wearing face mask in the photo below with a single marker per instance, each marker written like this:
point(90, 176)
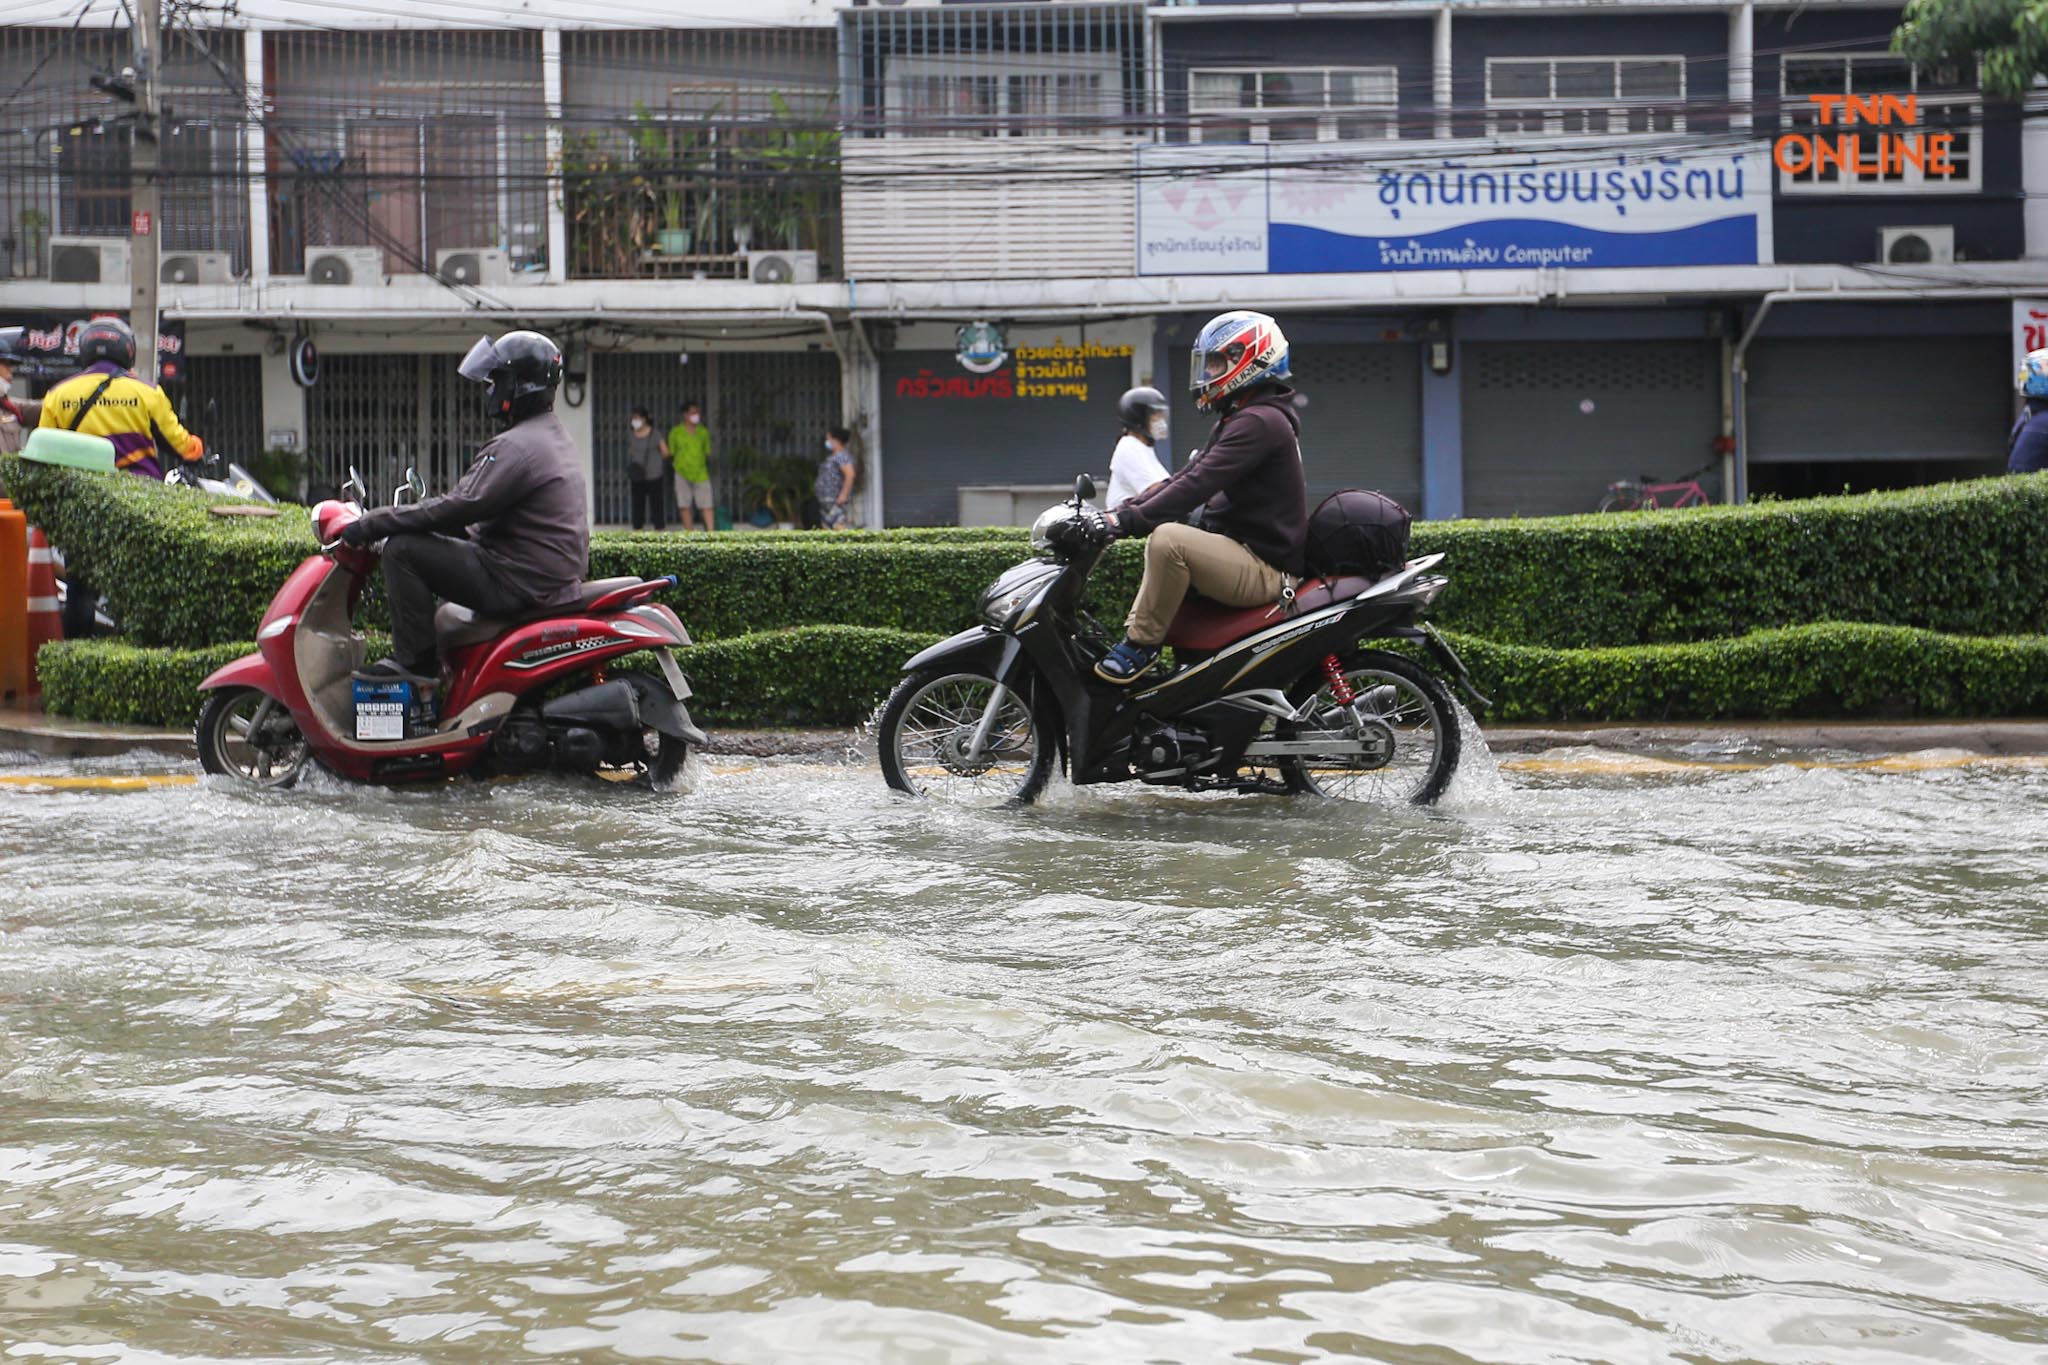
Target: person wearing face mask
point(836, 475)
point(647, 469)
point(689, 445)
point(18, 415)
point(1134, 468)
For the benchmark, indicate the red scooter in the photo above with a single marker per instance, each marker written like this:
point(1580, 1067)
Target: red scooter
point(526, 694)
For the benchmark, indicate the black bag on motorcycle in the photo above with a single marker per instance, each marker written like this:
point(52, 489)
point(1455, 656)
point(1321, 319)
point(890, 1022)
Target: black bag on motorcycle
point(1357, 532)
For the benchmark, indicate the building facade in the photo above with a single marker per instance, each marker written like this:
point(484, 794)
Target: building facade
point(1523, 247)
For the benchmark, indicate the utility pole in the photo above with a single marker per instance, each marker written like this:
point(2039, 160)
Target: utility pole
point(145, 202)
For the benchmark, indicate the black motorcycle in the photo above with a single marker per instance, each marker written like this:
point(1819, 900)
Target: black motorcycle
point(1277, 699)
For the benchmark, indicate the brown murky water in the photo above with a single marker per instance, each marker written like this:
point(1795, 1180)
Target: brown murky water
point(1686, 1066)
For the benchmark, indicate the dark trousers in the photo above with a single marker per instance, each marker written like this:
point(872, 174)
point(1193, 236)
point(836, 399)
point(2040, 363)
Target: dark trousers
point(650, 501)
point(419, 568)
point(81, 608)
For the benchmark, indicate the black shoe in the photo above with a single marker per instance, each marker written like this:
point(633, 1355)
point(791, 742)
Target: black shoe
point(1126, 663)
point(391, 668)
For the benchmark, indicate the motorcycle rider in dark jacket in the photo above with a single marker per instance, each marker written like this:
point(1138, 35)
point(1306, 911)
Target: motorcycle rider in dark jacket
point(520, 513)
point(2028, 449)
point(1248, 480)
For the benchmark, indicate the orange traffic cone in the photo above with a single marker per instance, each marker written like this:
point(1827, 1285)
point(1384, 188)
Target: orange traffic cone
point(13, 603)
point(45, 620)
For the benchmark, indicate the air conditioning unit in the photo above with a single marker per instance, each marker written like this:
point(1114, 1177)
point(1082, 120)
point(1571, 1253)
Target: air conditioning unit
point(88, 260)
point(782, 267)
point(1916, 245)
point(194, 267)
point(483, 267)
point(357, 265)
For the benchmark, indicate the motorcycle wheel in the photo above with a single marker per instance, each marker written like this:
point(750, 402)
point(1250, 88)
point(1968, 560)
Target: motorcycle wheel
point(246, 735)
point(929, 722)
point(1410, 702)
point(658, 761)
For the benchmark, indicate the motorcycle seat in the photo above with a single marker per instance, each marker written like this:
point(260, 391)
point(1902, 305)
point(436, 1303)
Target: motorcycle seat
point(456, 626)
point(1205, 626)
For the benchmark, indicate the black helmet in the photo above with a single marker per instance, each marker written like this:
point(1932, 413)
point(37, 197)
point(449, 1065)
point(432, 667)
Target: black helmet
point(1136, 407)
point(14, 346)
point(107, 339)
point(522, 370)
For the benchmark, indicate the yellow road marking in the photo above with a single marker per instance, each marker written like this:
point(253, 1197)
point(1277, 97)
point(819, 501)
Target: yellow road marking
point(1638, 765)
point(134, 783)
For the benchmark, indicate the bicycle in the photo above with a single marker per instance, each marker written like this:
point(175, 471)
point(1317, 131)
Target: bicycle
point(1644, 495)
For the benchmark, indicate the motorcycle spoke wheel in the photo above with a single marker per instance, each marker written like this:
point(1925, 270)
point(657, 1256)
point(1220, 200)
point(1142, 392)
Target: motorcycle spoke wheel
point(1406, 702)
point(246, 735)
point(927, 741)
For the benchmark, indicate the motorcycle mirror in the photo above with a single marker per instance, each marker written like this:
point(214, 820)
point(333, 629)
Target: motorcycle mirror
point(358, 491)
point(414, 483)
point(1084, 488)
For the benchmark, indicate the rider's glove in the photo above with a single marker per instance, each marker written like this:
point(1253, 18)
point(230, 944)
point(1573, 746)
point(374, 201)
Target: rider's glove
point(357, 532)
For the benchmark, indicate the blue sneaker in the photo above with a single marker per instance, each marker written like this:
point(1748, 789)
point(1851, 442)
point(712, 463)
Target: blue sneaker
point(1126, 663)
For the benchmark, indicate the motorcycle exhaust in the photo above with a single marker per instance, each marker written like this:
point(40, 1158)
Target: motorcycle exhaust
point(608, 706)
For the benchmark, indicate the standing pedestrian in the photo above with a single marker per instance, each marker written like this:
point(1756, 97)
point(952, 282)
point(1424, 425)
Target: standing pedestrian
point(647, 468)
point(689, 447)
point(837, 474)
point(18, 414)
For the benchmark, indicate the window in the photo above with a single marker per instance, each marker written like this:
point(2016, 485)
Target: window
point(994, 94)
point(1293, 104)
point(1566, 96)
point(1944, 102)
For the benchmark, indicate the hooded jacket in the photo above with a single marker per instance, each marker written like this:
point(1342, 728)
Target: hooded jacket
point(1248, 478)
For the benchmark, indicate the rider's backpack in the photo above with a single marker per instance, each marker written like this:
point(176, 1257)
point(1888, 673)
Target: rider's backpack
point(1357, 532)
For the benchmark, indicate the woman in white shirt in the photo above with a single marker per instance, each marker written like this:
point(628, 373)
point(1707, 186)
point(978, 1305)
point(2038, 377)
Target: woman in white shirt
point(1134, 467)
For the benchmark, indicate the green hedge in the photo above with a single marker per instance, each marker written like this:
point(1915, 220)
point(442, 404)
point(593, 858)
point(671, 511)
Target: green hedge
point(837, 675)
point(1963, 559)
point(1828, 670)
point(817, 675)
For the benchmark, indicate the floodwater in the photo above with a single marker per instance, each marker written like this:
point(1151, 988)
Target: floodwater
point(1663, 1063)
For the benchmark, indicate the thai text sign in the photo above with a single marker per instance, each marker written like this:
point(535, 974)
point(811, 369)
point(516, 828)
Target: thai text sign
point(1337, 209)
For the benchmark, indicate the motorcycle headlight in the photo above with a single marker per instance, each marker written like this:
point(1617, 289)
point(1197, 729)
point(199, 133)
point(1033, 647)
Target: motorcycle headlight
point(1016, 589)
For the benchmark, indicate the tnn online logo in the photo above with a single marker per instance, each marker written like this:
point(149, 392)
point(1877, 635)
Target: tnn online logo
point(1865, 153)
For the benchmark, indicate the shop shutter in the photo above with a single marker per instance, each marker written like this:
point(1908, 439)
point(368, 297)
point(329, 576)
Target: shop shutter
point(1548, 425)
point(222, 401)
point(1834, 400)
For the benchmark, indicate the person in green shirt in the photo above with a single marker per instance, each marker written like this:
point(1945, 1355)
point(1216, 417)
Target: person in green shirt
point(689, 446)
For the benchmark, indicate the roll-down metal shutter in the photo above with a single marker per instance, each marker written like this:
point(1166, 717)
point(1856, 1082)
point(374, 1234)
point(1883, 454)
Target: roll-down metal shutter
point(1838, 399)
point(1548, 425)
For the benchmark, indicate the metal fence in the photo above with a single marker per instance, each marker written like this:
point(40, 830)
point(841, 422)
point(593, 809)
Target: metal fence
point(381, 413)
point(222, 400)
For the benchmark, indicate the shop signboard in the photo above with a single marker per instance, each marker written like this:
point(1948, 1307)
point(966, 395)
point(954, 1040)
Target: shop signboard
point(2029, 328)
point(1317, 208)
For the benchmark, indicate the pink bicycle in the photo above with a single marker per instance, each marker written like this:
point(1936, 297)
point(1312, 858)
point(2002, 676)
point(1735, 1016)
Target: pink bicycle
point(1642, 495)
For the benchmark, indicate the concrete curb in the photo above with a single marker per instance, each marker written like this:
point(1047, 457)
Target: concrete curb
point(62, 737)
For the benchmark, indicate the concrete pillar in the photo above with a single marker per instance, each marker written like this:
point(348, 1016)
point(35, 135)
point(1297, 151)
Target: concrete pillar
point(284, 405)
point(580, 423)
point(1443, 440)
point(1741, 66)
point(551, 93)
point(2034, 168)
point(1442, 88)
point(256, 151)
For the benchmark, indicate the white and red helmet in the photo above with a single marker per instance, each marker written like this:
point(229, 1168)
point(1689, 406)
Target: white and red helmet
point(1235, 350)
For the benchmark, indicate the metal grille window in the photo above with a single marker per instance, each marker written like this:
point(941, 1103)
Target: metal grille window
point(223, 401)
point(1942, 102)
point(1563, 96)
point(381, 413)
point(994, 70)
point(1293, 104)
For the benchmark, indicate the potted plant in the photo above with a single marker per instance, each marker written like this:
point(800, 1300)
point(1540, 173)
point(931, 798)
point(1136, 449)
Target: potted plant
point(780, 485)
point(673, 239)
point(35, 224)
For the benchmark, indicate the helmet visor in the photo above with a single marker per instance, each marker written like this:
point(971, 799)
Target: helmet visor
point(481, 360)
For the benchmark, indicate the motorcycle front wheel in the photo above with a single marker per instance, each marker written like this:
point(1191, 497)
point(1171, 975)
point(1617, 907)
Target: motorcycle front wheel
point(927, 739)
point(1395, 699)
point(244, 734)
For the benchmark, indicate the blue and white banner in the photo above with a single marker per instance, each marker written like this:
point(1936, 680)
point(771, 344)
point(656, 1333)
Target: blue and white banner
point(1315, 208)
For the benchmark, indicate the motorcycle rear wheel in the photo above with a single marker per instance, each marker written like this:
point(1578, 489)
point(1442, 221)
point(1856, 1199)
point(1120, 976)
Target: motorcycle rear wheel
point(927, 728)
point(246, 735)
point(660, 758)
point(1400, 695)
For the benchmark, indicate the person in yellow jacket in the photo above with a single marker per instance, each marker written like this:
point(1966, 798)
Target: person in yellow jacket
point(105, 399)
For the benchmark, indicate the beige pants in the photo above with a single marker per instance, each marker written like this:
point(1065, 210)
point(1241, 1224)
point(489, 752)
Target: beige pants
point(1178, 556)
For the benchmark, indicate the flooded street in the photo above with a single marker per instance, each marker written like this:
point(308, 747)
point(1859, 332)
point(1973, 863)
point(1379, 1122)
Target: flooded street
point(1689, 1064)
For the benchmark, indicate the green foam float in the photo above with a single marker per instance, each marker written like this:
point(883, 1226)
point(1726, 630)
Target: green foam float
point(70, 449)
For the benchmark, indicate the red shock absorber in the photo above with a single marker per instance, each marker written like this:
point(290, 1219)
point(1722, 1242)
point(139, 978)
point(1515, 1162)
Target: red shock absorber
point(1340, 686)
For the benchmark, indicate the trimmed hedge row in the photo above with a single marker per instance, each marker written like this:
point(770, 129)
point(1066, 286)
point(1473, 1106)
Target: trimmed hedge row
point(1831, 670)
point(1963, 559)
point(837, 675)
point(815, 675)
